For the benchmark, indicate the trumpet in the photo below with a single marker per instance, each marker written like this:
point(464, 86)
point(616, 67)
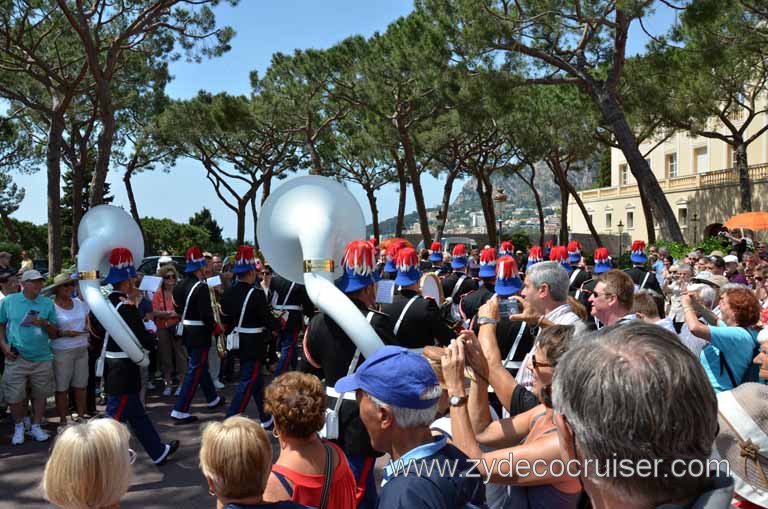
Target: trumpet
point(221, 341)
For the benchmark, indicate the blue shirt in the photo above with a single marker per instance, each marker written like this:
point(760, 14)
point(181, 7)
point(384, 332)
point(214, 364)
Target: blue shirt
point(439, 483)
point(658, 267)
point(31, 341)
point(738, 347)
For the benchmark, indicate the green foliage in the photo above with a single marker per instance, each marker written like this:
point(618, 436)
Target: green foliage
point(604, 175)
point(204, 219)
point(32, 237)
point(679, 250)
point(520, 239)
point(11, 195)
point(168, 235)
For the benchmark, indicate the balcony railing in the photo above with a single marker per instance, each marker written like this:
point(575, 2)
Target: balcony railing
point(757, 173)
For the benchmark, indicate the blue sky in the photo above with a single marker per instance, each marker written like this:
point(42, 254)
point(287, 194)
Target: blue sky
point(264, 27)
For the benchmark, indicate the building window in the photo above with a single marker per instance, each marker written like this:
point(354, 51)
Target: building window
point(700, 160)
point(682, 216)
point(630, 220)
point(623, 174)
point(671, 165)
point(608, 220)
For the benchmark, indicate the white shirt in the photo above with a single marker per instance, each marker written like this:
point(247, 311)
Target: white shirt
point(72, 320)
point(561, 315)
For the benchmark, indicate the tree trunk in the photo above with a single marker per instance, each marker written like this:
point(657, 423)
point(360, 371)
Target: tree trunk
point(562, 181)
point(403, 185)
point(649, 228)
point(585, 213)
point(13, 235)
point(241, 205)
point(646, 180)
point(745, 187)
point(485, 191)
point(445, 203)
point(418, 194)
point(106, 139)
point(537, 199)
point(374, 212)
point(77, 200)
point(53, 165)
point(256, 217)
point(267, 187)
point(132, 200)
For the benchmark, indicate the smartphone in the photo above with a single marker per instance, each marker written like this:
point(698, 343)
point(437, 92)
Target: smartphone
point(508, 307)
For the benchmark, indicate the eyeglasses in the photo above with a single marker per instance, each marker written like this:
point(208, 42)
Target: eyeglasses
point(537, 364)
point(169, 277)
point(604, 294)
point(131, 456)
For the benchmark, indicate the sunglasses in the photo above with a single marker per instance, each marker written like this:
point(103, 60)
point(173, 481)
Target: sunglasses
point(169, 277)
point(537, 364)
point(266, 273)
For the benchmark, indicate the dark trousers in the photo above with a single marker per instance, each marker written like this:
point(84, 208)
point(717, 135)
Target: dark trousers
point(288, 352)
point(128, 408)
point(93, 381)
point(362, 468)
point(197, 374)
point(251, 385)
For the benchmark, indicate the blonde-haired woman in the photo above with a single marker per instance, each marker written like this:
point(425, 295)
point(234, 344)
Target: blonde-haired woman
point(235, 457)
point(90, 466)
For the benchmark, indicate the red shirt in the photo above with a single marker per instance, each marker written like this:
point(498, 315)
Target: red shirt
point(162, 303)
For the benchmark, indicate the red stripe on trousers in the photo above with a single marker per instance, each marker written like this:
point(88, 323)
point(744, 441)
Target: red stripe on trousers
point(198, 374)
point(121, 407)
point(247, 396)
point(361, 484)
point(290, 352)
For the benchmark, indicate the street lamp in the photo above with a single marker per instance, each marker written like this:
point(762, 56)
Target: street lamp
point(500, 199)
point(620, 227)
point(695, 221)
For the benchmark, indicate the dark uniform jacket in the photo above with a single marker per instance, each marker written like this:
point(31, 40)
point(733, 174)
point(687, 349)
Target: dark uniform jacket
point(291, 297)
point(449, 283)
point(195, 336)
point(330, 347)
point(507, 330)
point(638, 274)
point(577, 278)
point(422, 323)
point(257, 315)
point(122, 376)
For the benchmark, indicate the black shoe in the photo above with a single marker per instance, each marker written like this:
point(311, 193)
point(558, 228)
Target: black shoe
point(221, 403)
point(172, 448)
point(185, 420)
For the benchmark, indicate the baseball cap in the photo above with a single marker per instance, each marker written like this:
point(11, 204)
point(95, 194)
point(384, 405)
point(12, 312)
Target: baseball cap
point(31, 275)
point(716, 252)
point(164, 259)
point(394, 376)
point(710, 279)
point(731, 259)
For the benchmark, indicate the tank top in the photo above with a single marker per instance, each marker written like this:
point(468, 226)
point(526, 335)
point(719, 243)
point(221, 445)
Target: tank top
point(308, 489)
point(546, 496)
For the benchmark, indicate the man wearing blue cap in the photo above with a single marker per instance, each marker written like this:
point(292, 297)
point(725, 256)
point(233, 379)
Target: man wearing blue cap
point(327, 348)
point(417, 321)
point(398, 394)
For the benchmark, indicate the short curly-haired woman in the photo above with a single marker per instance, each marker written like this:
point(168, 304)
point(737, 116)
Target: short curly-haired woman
point(297, 403)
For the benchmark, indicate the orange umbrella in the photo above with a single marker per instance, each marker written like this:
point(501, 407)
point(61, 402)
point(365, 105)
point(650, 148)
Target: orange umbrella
point(749, 221)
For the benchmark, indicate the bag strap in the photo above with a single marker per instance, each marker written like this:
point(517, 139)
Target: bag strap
point(288, 295)
point(186, 304)
point(512, 350)
point(403, 312)
point(352, 368)
point(328, 476)
point(245, 304)
point(645, 280)
point(458, 285)
point(106, 338)
point(573, 276)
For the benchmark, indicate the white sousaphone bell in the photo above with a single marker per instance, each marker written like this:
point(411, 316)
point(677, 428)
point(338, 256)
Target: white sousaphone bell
point(102, 229)
point(303, 229)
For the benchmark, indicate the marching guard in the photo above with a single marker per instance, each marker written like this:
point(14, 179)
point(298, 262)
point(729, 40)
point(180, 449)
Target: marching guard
point(293, 304)
point(197, 326)
point(644, 280)
point(328, 348)
point(578, 275)
point(417, 320)
point(250, 324)
point(458, 283)
point(436, 258)
point(122, 377)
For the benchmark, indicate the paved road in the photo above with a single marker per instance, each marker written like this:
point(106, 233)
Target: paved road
point(179, 483)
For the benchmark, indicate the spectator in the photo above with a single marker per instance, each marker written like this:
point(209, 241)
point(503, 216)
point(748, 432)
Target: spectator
point(172, 355)
point(612, 299)
point(732, 346)
point(235, 457)
point(625, 423)
point(525, 438)
point(27, 321)
point(716, 265)
point(5, 262)
point(297, 403)
point(162, 262)
point(645, 305)
point(90, 466)
point(674, 288)
point(704, 297)
point(70, 349)
point(732, 270)
point(8, 284)
point(661, 264)
point(216, 265)
point(398, 394)
point(26, 262)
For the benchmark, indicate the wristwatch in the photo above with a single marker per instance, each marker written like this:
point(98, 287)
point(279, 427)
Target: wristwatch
point(457, 400)
point(483, 320)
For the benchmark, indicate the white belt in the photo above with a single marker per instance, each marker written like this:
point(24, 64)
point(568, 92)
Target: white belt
point(288, 307)
point(331, 392)
point(513, 364)
point(117, 355)
point(198, 323)
point(250, 330)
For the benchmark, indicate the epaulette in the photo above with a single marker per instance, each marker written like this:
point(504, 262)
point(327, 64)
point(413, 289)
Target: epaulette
point(377, 312)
